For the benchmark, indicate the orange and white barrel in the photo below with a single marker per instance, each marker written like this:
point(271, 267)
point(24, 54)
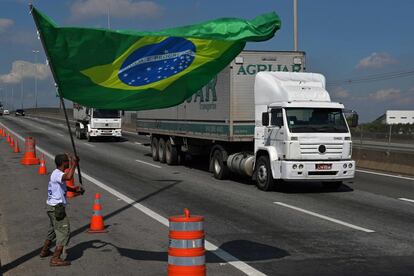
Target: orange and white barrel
point(186, 252)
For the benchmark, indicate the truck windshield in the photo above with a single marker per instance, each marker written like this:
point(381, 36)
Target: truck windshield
point(303, 120)
point(105, 113)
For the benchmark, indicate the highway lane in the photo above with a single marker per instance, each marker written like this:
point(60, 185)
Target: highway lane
point(247, 223)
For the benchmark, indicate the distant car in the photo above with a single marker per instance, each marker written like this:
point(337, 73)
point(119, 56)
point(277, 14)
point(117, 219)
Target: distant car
point(19, 112)
point(6, 112)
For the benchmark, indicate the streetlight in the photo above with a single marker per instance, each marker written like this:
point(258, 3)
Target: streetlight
point(295, 25)
point(35, 52)
point(21, 94)
point(12, 99)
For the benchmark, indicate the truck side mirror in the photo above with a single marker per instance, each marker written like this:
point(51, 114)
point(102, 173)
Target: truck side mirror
point(353, 120)
point(265, 119)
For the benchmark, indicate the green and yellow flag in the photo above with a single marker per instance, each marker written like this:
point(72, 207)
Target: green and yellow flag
point(132, 70)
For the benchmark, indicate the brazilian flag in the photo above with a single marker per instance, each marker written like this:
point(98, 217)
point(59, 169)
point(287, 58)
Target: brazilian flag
point(130, 70)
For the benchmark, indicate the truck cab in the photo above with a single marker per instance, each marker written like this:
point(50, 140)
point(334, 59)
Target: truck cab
point(92, 123)
point(300, 135)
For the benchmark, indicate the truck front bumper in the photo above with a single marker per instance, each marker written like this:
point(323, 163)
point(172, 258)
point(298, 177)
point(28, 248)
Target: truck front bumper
point(101, 132)
point(306, 170)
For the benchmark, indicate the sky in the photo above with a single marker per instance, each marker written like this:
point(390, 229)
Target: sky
point(364, 48)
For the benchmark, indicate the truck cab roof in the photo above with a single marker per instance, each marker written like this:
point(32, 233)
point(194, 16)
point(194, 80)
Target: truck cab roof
point(279, 87)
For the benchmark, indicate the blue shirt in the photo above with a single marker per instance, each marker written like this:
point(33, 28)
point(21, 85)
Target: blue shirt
point(56, 190)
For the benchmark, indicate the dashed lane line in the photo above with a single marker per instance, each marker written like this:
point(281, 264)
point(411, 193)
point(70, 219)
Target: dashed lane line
point(406, 199)
point(325, 217)
point(149, 164)
point(227, 257)
point(90, 145)
point(385, 174)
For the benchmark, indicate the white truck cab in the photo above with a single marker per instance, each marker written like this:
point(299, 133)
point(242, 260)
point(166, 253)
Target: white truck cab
point(92, 123)
point(300, 135)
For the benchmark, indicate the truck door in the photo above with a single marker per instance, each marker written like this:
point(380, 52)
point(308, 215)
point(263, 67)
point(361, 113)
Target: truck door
point(275, 132)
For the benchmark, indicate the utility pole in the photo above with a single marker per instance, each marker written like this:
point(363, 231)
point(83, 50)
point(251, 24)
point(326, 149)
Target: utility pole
point(109, 15)
point(35, 52)
point(295, 25)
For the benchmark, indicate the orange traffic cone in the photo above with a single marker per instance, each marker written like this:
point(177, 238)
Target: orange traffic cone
point(42, 168)
point(12, 141)
point(16, 147)
point(97, 223)
point(29, 157)
point(1, 131)
point(4, 133)
point(71, 184)
point(8, 138)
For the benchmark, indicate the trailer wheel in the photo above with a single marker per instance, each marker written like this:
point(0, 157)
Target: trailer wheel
point(264, 178)
point(333, 185)
point(219, 166)
point(77, 133)
point(171, 153)
point(161, 150)
point(154, 148)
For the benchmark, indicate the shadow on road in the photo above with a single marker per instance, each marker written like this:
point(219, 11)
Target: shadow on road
point(244, 250)
point(310, 188)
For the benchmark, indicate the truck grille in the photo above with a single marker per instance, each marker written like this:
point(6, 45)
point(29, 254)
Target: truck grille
point(106, 125)
point(331, 148)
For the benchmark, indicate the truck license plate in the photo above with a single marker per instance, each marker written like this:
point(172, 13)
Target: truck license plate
point(323, 166)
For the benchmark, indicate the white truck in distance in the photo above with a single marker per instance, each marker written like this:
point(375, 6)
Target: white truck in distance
point(92, 123)
point(270, 126)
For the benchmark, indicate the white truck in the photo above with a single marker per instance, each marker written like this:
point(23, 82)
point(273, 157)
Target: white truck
point(270, 126)
point(92, 123)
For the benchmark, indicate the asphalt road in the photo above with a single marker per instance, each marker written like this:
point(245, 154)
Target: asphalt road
point(365, 228)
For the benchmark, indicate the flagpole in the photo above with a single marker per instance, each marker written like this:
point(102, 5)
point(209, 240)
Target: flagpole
point(60, 96)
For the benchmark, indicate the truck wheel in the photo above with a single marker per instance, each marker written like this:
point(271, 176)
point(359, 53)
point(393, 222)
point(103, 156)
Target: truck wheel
point(161, 150)
point(77, 133)
point(334, 185)
point(264, 178)
point(219, 166)
point(171, 153)
point(154, 148)
point(89, 138)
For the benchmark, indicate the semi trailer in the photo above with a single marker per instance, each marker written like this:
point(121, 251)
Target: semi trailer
point(261, 117)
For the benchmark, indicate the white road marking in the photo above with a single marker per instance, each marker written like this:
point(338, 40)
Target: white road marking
point(138, 143)
point(129, 132)
point(406, 199)
point(149, 164)
point(325, 217)
point(230, 259)
point(385, 174)
point(60, 134)
point(88, 144)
